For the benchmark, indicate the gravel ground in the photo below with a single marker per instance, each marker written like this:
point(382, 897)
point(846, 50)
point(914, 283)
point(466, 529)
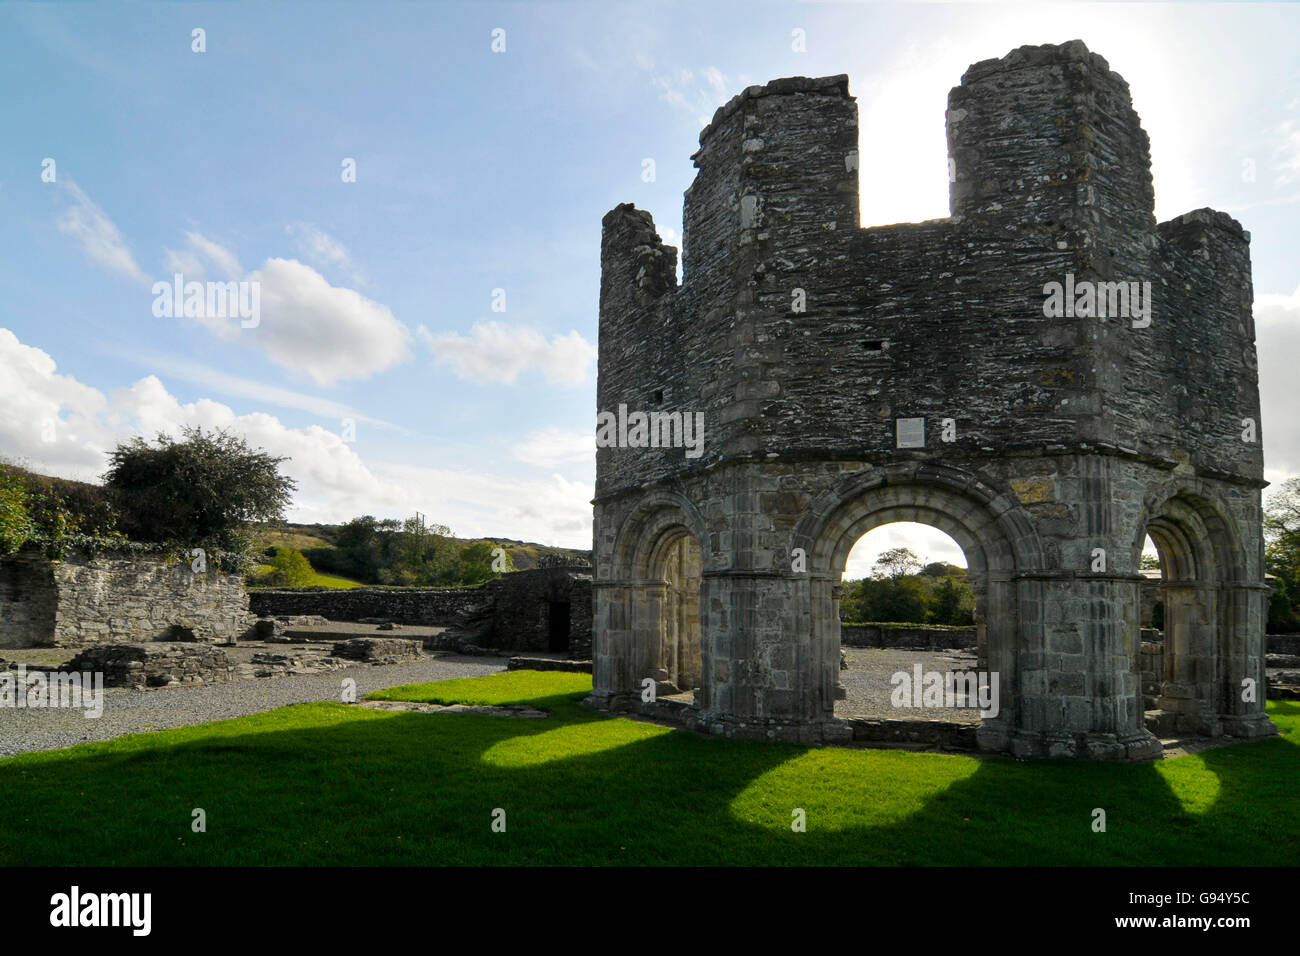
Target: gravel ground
point(137, 711)
point(868, 687)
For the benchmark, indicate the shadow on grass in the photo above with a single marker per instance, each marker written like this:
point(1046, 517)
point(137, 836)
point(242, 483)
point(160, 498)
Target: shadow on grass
point(337, 785)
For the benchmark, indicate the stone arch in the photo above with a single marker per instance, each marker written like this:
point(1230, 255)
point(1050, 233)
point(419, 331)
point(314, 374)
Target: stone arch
point(1210, 643)
point(651, 607)
point(638, 534)
point(997, 540)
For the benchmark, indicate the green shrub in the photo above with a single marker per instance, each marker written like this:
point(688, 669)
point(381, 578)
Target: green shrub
point(289, 568)
point(16, 525)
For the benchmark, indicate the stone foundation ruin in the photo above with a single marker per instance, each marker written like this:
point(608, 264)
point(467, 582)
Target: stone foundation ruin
point(547, 608)
point(931, 372)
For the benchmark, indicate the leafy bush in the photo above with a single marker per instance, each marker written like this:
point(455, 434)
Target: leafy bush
point(289, 568)
point(199, 491)
point(16, 525)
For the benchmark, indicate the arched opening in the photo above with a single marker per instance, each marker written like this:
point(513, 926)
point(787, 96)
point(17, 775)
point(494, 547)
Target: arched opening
point(996, 541)
point(907, 608)
point(649, 622)
point(675, 573)
point(1188, 664)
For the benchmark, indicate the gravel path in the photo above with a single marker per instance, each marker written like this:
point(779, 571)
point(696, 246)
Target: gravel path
point(139, 711)
point(868, 687)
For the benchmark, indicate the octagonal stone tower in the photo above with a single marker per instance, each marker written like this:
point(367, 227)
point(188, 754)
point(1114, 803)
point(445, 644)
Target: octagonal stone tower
point(810, 380)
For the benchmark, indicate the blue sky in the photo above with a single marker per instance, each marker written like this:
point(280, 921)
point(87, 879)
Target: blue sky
point(478, 171)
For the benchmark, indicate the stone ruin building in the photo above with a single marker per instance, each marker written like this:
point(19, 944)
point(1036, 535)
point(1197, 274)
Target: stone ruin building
point(852, 377)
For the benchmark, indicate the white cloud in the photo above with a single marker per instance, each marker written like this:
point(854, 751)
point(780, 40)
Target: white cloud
point(257, 390)
point(1288, 152)
point(334, 483)
point(309, 327)
point(698, 94)
point(1277, 341)
point(929, 544)
point(325, 332)
point(494, 353)
point(99, 238)
point(473, 504)
point(323, 250)
point(314, 329)
point(552, 447)
point(45, 417)
point(217, 254)
point(193, 262)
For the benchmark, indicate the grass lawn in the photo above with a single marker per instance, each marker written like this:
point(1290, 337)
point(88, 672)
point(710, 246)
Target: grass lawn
point(317, 579)
point(334, 784)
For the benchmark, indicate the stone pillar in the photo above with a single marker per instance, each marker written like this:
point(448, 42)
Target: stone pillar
point(1243, 609)
point(1080, 689)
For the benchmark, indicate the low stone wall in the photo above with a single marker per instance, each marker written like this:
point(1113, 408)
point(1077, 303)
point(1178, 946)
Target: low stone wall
point(1282, 643)
point(435, 607)
point(514, 612)
point(906, 638)
point(377, 650)
point(547, 664)
point(155, 665)
point(915, 734)
point(116, 599)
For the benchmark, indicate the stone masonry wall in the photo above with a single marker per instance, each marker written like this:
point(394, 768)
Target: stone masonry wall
point(28, 601)
point(431, 607)
point(923, 638)
point(114, 599)
point(506, 613)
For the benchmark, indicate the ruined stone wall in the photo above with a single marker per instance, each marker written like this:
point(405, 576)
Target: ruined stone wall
point(942, 319)
point(113, 599)
point(507, 613)
point(157, 665)
point(910, 638)
point(434, 607)
point(28, 601)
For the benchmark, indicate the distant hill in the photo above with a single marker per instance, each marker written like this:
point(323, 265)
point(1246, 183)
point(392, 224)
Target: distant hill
point(77, 495)
point(524, 554)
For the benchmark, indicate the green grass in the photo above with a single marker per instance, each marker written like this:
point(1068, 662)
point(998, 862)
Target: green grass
point(288, 538)
point(331, 784)
point(317, 580)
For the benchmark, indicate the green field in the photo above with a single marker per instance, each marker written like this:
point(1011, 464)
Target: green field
point(316, 580)
point(332, 784)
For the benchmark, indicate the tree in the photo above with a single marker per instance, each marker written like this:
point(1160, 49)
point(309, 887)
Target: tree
point(289, 568)
point(901, 600)
point(954, 602)
point(363, 547)
point(896, 563)
point(1282, 555)
point(199, 491)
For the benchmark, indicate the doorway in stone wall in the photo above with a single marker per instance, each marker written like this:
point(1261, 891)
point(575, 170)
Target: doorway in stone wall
point(907, 606)
point(1189, 667)
point(992, 546)
point(559, 623)
point(676, 565)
